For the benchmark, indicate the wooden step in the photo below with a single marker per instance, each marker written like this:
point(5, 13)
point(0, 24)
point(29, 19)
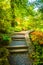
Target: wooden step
point(18, 36)
point(17, 33)
point(17, 39)
point(16, 47)
point(20, 33)
point(23, 32)
point(18, 50)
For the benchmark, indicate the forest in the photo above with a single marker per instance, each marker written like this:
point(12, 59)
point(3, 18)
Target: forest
point(17, 16)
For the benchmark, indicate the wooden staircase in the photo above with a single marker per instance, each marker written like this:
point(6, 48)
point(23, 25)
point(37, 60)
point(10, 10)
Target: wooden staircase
point(18, 49)
point(18, 36)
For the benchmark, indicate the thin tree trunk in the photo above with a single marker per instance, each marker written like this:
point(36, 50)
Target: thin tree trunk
point(13, 15)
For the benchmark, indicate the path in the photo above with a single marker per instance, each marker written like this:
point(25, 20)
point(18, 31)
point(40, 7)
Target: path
point(19, 49)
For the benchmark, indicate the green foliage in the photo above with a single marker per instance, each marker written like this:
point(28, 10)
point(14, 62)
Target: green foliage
point(4, 39)
point(24, 25)
point(10, 9)
point(5, 16)
point(18, 28)
point(37, 53)
point(3, 56)
point(5, 26)
point(3, 52)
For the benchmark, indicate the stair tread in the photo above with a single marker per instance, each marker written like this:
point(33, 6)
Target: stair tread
point(17, 39)
point(17, 46)
point(22, 32)
point(18, 50)
point(17, 42)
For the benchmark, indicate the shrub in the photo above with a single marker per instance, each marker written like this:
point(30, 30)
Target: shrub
point(18, 28)
point(37, 41)
point(37, 36)
point(3, 56)
point(25, 25)
point(4, 39)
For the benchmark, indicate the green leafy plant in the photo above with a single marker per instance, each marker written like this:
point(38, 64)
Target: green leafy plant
point(5, 39)
point(37, 53)
point(18, 28)
point(4, 53)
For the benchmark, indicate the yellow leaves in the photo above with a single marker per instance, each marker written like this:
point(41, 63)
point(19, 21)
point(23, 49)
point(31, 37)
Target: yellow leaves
point(18, 19)
point(40, 42)
point(25, 25)
point(5, 4)
point(18, 28)
point(37, 35)
point(33, 37)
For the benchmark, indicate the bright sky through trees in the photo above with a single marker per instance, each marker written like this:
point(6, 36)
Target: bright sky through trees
point(36, 9)
point(31, 1)
point(29, 12)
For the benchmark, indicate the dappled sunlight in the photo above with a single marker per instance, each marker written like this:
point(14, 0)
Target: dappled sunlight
point(21, 32)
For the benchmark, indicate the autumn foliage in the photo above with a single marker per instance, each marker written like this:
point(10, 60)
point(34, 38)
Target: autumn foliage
point(37, 36)
point(37, 46)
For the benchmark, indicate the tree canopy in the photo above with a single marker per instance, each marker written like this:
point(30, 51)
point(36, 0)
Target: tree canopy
point(13, 12)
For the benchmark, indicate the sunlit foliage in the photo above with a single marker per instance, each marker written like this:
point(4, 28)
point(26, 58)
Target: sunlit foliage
point(37, 42)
